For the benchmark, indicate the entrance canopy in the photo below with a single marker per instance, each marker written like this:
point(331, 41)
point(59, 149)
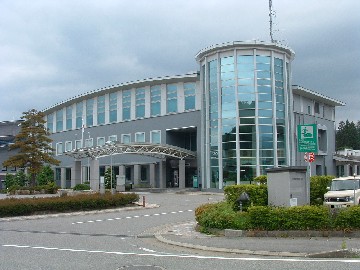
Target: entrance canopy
point(148, 149)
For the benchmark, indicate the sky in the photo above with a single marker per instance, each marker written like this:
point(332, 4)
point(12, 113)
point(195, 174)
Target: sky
point(54, 50)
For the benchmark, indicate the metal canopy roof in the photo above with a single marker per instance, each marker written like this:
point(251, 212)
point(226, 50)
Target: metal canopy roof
point(148, 149)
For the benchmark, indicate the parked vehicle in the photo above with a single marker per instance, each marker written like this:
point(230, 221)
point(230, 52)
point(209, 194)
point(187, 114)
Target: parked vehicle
point(343, 192)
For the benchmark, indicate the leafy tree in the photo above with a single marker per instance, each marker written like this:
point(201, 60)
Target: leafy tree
point(32, 143)
point(45, 176)
point(348, 135)
point(107, 179)
point(10, 180)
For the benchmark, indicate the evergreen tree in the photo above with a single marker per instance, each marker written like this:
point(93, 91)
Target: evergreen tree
point(347, 135)
point(107, 178)
point(32, 144)
point(45, 176)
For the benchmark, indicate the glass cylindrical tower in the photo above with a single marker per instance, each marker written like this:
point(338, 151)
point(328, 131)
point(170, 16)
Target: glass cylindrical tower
point(246, 97)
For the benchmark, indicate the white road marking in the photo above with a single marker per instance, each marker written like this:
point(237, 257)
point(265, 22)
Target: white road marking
point(185, 255)
point(129, 217)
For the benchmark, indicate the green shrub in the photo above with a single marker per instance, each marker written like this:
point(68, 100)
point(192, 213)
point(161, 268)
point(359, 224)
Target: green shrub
point(220, 216)
point(290, 218)
point(318, 187)
point(348, 218)
point(29, 206)
point(82, 187)
point(258, 195)
point(261, 179)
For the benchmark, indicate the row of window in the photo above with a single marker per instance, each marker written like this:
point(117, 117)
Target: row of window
point(85, 113)
point(139, 137)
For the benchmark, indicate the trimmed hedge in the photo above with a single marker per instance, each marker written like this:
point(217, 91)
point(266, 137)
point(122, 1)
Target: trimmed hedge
point(220, 216)
point(258, 195)
point(18, 207)
point(264, 218)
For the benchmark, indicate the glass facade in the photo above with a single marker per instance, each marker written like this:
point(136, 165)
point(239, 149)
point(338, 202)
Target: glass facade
point(68, 118)
point(155, 100)
point(245, 98)
point(90, 112)
point(140, 103)
point(79, 115)
point(50, 122)
point(59, 121)
point(101, 110)
point(171, 98)
point(189, 94)
point(113, 107)
point(126, 105)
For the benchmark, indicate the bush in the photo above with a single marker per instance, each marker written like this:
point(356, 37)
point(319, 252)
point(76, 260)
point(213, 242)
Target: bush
point(348, 218)
point(318, 187)
point(220, 216)
point(261, 179)
point(82, 187)
point(292, 218)
point(257, 194)
point(29, 206)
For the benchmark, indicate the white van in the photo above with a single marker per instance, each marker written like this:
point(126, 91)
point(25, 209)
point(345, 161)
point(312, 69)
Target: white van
point(343, 191)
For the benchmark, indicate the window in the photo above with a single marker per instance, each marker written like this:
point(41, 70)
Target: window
point(155, 100)
point(68, 146)
point(140, 137)
point(4, 169)
point(125, 138)
point(101, 110)
point(50, 122)
point(189, 93)
point(140, 102)
point(78, 144)
point(59, 120)
point(309, 109)
point(317, 107)
point(113, 107)
point(79, 115)
point(171, 97)
point(68, 118)
point(113, 138)
point(126, 104)
point(89, 142)
point(59, 149)
point(155, 136)
point(89, 112)
point(101, 141)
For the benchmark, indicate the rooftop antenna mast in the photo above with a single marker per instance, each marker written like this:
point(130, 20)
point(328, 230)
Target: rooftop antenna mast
point(271, 14)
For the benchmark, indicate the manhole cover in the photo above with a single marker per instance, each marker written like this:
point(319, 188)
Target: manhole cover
point(142, 267)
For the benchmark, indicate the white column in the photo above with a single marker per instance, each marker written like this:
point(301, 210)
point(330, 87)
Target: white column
point(63, 178)
point(137, 174)
point(94, 174)
point(76, 173)
point(162, 175)
point(181, 174)
point(152, 175)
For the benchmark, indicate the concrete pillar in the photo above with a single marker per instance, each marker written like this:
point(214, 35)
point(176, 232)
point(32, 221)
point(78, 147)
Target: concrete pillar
point(122, 170)
point(162, 174)
point(94, 174)
point(63, 178)
point(137, 174)
point(181, 174)
point(152, 175)
point(84, 174)
point(76, 173)
point(346, 169)
point(355, 169)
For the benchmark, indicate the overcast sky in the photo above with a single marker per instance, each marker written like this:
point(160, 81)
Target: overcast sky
point(53, 50)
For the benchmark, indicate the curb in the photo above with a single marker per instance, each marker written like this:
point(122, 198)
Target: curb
point(160, 237)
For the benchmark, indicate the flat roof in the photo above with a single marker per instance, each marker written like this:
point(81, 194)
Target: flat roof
point(302, 91)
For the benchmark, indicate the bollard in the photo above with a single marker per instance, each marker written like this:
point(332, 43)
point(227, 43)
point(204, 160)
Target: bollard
point(143, 201)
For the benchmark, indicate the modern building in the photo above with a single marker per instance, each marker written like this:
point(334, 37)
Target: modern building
point(227, 123)
point(8, 131)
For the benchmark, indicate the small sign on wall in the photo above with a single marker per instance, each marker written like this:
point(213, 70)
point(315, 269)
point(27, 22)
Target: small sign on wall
point(293, 202)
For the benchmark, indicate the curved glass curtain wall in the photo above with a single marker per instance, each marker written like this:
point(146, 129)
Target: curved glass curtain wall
point(246, 115)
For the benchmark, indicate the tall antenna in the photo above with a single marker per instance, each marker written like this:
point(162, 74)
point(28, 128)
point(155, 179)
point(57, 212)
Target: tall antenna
point(271, 14)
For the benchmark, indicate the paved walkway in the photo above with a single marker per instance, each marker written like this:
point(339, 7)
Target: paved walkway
point(185, 235)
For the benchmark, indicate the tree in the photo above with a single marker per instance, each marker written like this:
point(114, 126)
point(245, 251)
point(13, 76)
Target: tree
point(107, 179)
point(33, 145)
point(45, 176)
point(348, 135)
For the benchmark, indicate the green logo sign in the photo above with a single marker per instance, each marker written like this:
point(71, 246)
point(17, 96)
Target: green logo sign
point(307, 138)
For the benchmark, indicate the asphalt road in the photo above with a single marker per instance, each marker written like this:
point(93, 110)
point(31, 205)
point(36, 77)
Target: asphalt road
point(124, 240)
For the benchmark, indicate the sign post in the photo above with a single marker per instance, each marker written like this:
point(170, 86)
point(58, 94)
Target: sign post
point(307, 142)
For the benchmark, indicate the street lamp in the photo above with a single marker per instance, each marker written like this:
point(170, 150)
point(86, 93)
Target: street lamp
point(354, 188)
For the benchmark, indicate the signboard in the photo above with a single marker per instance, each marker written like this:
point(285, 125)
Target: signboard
point(309, 157)
point(307, 138)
